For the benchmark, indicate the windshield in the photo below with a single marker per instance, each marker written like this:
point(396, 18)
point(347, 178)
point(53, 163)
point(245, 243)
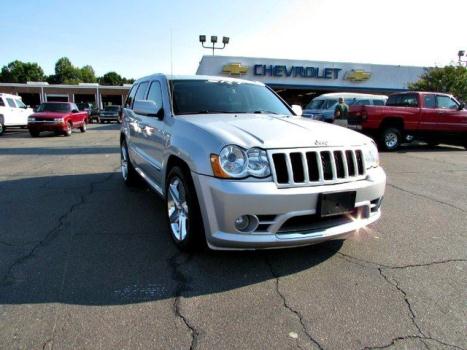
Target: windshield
point(82, 106)
point(314, 104)
point(54, 107)
point(112, 108)
point(210, 96)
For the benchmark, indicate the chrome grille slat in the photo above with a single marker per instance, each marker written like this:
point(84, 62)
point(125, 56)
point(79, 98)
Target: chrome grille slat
point(338, 170)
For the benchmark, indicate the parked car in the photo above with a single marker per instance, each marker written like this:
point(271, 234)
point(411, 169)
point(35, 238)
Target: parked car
point(110, 113)
point(239, 170)
point(429, 116)
point(93, 112)
point(13, 112)
point(323, 107)
point(60, 117)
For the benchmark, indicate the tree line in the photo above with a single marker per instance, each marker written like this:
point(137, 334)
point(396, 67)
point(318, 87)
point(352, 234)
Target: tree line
point(65, 73)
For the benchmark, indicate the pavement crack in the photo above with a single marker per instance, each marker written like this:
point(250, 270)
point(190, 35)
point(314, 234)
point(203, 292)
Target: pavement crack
point(423, 196)
point(7, 278)
point(408, 337)
point(362, 262)
point(290, 308)
point(394, 283)
point(181, 287)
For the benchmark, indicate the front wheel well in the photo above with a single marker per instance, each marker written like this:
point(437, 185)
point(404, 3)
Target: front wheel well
point(173, 161)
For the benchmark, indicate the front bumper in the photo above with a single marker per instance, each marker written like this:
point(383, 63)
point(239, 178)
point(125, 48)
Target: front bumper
point(222, 201)
point(47, 126)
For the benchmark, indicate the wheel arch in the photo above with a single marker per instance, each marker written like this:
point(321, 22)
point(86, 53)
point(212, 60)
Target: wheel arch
point(392, 122)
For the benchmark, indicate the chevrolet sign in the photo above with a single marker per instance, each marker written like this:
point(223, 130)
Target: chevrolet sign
point(235, 69)
point(357, 75)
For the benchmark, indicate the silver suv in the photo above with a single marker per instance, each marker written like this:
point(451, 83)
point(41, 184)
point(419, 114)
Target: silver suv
point(239, 170)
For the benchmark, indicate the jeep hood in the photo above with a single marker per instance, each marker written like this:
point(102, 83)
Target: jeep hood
point(272, 132)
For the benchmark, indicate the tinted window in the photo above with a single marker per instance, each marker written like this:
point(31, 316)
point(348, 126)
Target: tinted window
point(155, 93)
point(11, 103)
point(219, 96)
point(315, 104)
point(363, 102)
point(445, 102)
point(378, 102)
point(328, 104)
point(429, 101)
point(54, 107)
point(2, 104)
point(112, 108)
point(131, 97)
point(403, 100)
point(141, 92)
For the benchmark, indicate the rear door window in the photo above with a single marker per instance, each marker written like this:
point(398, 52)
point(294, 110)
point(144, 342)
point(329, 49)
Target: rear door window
point(378, 102)
point(2, 104)
point(11, 102)
point(20, 104)
point(430, 101)
point(363, 102)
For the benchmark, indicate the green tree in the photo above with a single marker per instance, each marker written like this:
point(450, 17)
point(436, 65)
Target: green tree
point(21, 72)
point(449, 79)
point(88, 75)
point(111, 78)
point(65, 72)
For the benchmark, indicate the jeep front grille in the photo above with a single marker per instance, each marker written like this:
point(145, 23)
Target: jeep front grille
point(311, 167)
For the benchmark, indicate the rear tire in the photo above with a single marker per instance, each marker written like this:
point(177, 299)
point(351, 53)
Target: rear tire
point(83, 128)
point(129, 174)
point(183, 214)
point(390, 139)
point(69, 129)
point(34, 133)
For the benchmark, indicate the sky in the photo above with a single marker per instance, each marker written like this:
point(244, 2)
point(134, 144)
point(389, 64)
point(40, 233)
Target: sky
point(141, 37)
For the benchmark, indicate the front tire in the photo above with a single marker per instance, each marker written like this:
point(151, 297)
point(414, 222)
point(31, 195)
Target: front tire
point(129, 174)
point(390, 139)
point(69, 129)
point(2, 129)
point(182, 210)
point(34, 133)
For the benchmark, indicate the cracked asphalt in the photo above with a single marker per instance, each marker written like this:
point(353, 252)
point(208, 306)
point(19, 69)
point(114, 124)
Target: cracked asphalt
point(87, 263)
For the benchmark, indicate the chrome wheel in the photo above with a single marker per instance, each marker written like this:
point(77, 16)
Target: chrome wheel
point(124, 162)
point(391, 140)
point(177, 207)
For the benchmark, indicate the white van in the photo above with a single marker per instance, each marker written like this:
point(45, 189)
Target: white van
point(322, 107)
point(13, 112)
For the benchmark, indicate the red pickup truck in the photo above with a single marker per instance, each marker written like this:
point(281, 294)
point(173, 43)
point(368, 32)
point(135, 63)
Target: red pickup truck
point(429, 116)
point(60, 117)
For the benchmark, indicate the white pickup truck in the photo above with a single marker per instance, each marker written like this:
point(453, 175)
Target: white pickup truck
point(13, 112)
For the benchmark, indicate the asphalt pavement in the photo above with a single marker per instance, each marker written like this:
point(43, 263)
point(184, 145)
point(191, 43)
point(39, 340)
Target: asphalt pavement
point(87, 263)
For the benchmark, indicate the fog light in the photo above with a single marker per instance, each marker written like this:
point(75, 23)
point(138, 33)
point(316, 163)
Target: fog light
point(242, 222)
point(246, 223)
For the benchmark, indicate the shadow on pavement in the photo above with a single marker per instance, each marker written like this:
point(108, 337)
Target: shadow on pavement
point(90, 240)
point(54, 151)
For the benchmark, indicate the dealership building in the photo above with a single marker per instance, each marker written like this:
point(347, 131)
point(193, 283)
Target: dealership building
point(297, 81)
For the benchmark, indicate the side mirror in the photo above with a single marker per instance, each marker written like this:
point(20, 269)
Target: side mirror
point(297, 110)
point(461, 106)
point(146, 107)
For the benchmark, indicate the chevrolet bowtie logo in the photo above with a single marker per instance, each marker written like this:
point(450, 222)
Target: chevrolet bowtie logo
point(357, 75)
point(235, 69)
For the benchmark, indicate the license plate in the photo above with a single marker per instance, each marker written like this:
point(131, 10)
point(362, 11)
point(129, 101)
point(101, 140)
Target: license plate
point(336, 203)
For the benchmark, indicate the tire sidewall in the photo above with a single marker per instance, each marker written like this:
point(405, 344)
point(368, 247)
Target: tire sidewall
point(2, 129)
point(69, 129)
point(195, 233)
point(387, 131)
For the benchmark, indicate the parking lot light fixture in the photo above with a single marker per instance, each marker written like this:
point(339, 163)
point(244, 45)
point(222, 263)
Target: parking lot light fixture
point(212, 46)
point(460, 54)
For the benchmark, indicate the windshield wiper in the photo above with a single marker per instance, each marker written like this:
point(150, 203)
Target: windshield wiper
point(264, 112)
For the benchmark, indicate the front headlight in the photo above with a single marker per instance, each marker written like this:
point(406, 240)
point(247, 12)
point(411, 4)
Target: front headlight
point(59, 120)
point(235, 162)
point(371, 156)
point(31, 119)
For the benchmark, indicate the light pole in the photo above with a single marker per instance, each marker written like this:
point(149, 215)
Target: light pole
point(461, 54)
point(225, 41)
